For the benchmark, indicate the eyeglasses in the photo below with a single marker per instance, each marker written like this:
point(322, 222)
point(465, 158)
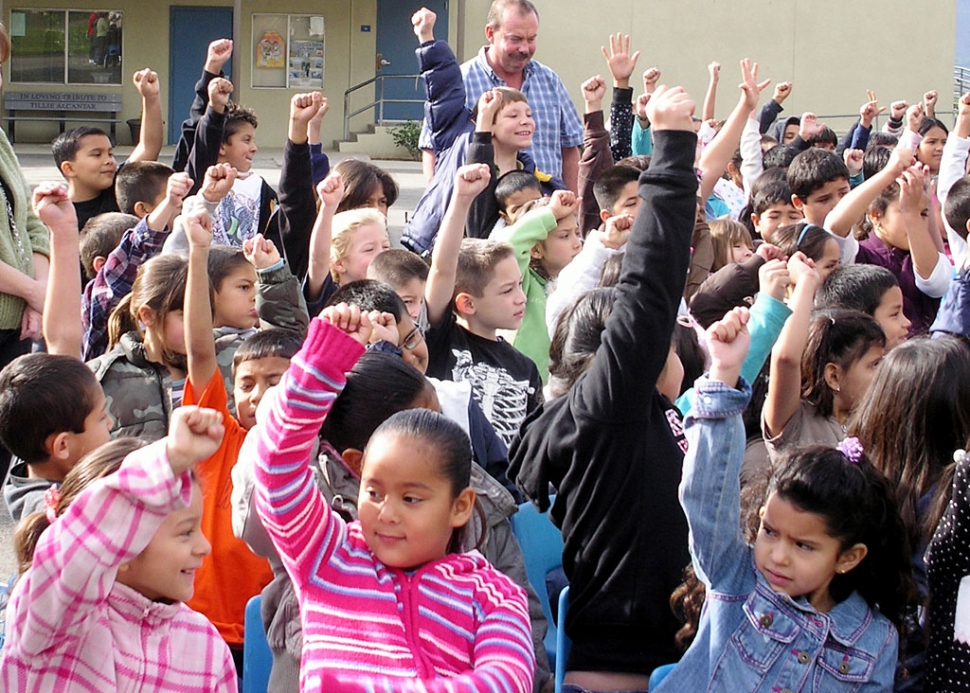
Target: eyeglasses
point(413, 339)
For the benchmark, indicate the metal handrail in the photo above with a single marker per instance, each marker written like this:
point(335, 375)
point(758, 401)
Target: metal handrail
point(961, 83)
point(378, 102)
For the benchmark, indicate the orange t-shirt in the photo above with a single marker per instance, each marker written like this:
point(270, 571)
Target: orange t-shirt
point(232, 573)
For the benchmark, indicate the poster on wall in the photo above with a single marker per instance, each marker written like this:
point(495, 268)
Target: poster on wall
point(270, 50)
point(306, 64)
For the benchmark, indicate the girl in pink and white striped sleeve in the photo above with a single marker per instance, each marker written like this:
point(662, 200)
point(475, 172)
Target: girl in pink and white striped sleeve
point(101, 606)
point(388, 602)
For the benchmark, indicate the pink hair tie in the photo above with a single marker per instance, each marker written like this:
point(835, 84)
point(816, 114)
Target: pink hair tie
point(52, 499)
point(852, 449)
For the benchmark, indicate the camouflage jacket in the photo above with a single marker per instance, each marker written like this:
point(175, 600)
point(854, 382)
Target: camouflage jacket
point(139, 392)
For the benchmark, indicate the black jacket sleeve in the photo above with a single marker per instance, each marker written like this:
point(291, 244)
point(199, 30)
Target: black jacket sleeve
point(292, 223)
point(484, 211)
point(205, 147)
point(187, 136)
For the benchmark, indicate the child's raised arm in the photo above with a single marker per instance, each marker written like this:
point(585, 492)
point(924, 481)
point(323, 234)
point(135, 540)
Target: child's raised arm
point(319, 162)
point(953, 167)
point(208, 133)
point(330, 192)
point(932, 268)
point(290, 505)
point(151, 136)
point(62, 304)
point(710, 488)
point(850, 208)
point(710, 98)
point(200, 345)
point(718, 153)
point(439, 291)
point(621, 66)
point(598, 150)
point(785, 386)
point(109, 523)
point(279, 300)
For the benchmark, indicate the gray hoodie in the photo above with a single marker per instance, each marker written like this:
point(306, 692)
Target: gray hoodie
point(23, 495)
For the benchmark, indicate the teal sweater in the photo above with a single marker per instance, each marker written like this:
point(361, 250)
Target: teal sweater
point(532, 339)
point(17, 246)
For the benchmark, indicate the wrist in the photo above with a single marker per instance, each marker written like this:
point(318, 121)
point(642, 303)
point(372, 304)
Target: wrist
point(729, 375)
point(426, 37)
point(594, 106)
point(621, 83)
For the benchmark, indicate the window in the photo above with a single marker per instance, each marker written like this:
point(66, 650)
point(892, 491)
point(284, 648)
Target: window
point(288, 51)
point(65, 46)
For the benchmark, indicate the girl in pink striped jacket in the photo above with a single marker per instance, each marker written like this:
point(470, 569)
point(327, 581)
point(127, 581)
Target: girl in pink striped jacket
point(100, 607)
point(387, 602)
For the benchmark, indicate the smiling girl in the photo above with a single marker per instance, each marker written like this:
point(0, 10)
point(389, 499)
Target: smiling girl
point(386, 602)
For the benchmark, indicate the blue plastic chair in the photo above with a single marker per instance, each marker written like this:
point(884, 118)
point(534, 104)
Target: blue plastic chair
point(541, 544)
point(563, 643)
point(257, 657)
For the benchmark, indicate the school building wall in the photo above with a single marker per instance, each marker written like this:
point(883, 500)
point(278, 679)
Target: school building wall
point(832, 50)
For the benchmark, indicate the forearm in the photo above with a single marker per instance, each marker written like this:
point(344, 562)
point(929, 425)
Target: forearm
point(16, 283)
point(151, 135)
point(709, 490)
point(444, 260)
point(784, 388)
point(767, 320)
point(621, 123)
point(710, 98)
point(752, 164)
point(300, 523)
point(199, 343)
point(850, 208)
point(62, 304)
point(718, 153)
point(320, 240)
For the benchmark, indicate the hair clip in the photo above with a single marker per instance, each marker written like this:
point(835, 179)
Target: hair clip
point(52, 499)
point(959, 456)
point(851, 448)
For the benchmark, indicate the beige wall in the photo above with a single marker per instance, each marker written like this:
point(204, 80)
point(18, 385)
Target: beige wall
point(832, 50)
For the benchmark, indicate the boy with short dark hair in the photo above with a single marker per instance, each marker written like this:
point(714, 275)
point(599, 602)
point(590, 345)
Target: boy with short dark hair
point(616, 191)
point(85, 155)
point(475, 289)
point(52, 413)
point(407, 274)
point(99, 237)
point(513, 191)
point(140, 186)
point(871, 289)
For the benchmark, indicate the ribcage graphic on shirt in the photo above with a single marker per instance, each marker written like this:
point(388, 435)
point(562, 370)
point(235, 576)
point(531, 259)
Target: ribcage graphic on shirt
point(502, 398)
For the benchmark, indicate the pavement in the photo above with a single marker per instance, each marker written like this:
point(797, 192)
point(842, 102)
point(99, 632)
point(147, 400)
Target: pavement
point(38, 166)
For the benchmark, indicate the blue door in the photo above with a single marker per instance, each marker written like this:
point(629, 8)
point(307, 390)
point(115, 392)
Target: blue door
point(395, 47)
point(191, 29)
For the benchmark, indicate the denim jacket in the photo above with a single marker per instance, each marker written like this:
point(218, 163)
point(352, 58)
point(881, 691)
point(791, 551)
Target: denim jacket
point(750, 637)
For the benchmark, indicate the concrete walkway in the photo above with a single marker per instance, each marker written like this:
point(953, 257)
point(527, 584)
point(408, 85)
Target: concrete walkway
point(38, 166)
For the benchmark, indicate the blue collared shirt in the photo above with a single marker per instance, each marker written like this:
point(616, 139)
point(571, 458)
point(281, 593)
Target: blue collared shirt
point(558, 125)
point(751, 638)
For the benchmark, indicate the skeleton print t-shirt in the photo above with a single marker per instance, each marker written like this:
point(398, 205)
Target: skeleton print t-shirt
point(505, 382)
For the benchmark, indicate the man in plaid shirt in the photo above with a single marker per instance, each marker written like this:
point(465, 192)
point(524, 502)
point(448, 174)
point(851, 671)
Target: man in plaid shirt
point(507, 61)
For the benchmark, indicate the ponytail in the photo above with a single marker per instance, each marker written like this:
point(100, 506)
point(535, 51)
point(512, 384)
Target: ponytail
point(121, 321)
point(95, 465)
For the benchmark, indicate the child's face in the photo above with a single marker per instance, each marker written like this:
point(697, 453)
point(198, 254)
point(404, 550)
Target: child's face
point(235, 301)
point(890, 316)
point(517, 200)
point(502, 304)
point(829, 262)
point(412, 293)
point(165, 570)
point(240, 149)
point(97, 430)
point(741, 251)
point(514, 126)
point(790, 132)
point(891, 226)
point(174, 326)
point(855, 380)
point(94, 164)
point(796, 554)
point(818, 204)
point(930, 150)
point(406, 506)
point(560, 247)
point(252, 379)
point(778, 214)
point(628, 201)
point(377, 199)
point(414, 350)
point(366, 243)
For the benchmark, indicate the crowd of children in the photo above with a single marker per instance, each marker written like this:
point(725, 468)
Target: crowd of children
point(733, 366)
